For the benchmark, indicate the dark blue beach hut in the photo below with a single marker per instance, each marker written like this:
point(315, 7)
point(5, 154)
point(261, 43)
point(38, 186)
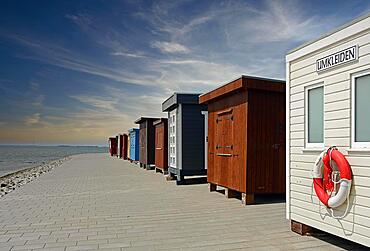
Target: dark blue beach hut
point(134, 144)
point(185, 135)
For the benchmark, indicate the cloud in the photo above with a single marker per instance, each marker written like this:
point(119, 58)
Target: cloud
point(126, 54)
point(34, 86)
point(105, 103)
point(38, 100)
point(170, 47)
point(82, 20)
point(50, 53)
point(135, 60)
point(32, 119)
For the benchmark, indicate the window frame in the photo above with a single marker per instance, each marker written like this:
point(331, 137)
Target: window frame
point(354, 144)
point(309, 145)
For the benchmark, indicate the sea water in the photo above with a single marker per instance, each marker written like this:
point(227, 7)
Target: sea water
point(15, 158)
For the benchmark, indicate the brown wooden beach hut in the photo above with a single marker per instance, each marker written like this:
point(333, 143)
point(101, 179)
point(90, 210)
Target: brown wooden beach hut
point(146, 141)
point(113, 146)
point(120, 143)
point(124, 146)
point(161, 145)
point(246, 137)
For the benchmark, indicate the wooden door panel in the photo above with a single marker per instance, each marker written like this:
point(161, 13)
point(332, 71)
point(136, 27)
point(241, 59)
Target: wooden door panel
point(223, 144)
point(143, 143)
point(159, 147)
point(227, 141)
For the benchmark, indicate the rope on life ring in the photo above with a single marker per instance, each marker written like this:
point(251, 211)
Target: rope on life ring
point(325, 183)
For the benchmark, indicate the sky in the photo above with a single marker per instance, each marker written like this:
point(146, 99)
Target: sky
point(76, 72)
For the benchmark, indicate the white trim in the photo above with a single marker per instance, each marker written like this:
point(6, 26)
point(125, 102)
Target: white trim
point(287, 142)
point(306, 89)
point(354, 144)
point(313, 149)
point(352, 29)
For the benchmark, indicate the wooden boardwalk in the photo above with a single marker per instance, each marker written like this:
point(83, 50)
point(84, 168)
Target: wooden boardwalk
point(96, 202)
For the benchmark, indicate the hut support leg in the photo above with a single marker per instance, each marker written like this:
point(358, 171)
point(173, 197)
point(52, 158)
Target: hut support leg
point(247, 199)
point(229, 193)
point(212, 187)
point(180, 179)
point(170, 176)
point(301, 228)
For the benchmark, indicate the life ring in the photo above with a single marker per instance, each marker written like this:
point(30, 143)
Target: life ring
point(322, 178)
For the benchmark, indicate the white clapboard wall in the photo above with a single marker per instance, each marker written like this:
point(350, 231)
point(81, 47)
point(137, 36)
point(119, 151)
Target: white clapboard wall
point(302, 202)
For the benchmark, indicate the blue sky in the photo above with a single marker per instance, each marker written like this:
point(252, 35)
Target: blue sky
point(75, 72)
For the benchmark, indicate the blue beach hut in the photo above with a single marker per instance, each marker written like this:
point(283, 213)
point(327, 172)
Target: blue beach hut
point(134, 144)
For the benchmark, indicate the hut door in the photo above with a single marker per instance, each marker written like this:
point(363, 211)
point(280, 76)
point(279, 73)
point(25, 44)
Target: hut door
point(143, 143)
point(159, 145)
point(224, 146)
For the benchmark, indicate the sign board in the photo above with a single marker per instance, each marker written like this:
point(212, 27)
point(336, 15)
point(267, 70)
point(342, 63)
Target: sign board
point(338, 58)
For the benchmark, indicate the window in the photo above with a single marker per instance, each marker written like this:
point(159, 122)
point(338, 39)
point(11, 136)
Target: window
point(172, 135)
point(361, 110)
point(315, 116)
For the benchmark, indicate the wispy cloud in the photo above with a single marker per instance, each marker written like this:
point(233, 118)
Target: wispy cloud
point(134, 57)
point(38, 100)
point(126, 54)
point(32, 119)
point(34, 86)
point(106, 103)
point(170, 47)
point(53, 54)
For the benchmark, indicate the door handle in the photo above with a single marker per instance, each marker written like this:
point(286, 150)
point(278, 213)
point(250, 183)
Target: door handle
point(159, 148)
point(230, 146)
point(224, 154)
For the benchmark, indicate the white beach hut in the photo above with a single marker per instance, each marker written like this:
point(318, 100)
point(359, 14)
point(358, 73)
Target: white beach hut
point(328, 104)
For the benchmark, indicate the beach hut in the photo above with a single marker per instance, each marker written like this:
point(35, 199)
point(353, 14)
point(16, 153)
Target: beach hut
point(120, 145)
point(134, 144)
point(124, 146)
point(161, 145)
point(185, 135)
point(246, 135)
point(113, 146)
point(117, 146)
point(328, 90)
point(128, 146)
point(146, 141)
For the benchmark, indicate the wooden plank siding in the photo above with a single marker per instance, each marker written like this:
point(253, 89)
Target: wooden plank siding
point(228, 171)
point(303, 204)
point(120, 145)
point(246, 134)
point(134, 144)
point(186, 140)
point(125, 146)
point(192, 138)
point(146, 140)
point(161, 144)
point(143, 134)
point(266, 137)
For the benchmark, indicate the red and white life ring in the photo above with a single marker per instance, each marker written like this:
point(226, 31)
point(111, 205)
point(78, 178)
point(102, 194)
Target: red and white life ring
point(322, 178)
